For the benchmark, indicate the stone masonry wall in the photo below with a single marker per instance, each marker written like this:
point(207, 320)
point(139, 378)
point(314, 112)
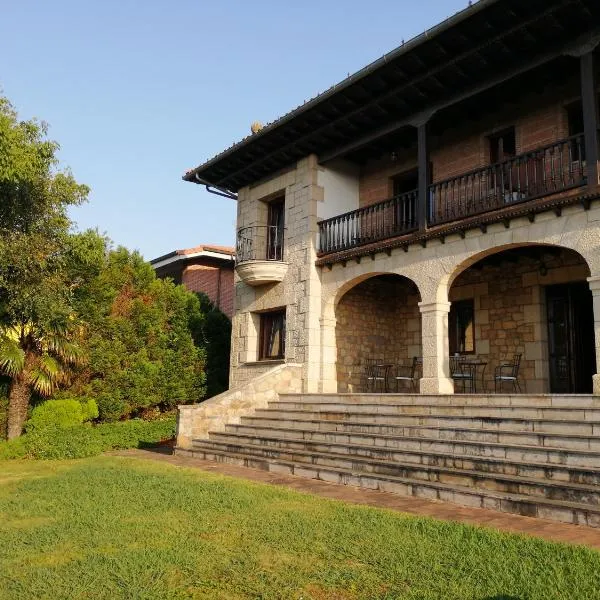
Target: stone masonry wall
point(300, 289)
point(197, 420)
point(510, 317)
point(378, 318)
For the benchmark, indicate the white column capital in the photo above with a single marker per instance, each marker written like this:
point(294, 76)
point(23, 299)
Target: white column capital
point(328, 321)
point(594, 283)
point(427, 307)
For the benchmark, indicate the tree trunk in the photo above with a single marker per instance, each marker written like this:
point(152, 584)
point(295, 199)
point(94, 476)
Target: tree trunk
point(18, 402)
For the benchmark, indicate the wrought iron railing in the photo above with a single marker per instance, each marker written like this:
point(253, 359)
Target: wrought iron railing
point(386, 219)
point(259, 242)
point(553, 168)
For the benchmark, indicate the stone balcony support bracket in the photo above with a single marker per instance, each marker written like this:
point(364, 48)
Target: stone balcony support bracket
point(436, 370)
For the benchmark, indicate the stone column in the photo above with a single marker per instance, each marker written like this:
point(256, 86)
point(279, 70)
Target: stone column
point(594, 283)
point(328, 356)
point(436, 369)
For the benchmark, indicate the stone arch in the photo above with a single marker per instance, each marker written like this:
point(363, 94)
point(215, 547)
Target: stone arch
point(376, 316)
point(505, 288)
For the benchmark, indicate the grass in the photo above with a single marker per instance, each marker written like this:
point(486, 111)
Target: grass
point(109, 527)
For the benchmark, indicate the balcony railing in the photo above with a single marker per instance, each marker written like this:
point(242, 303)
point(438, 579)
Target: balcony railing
point(544, 171)
point(390, 218)
point(548, 170)
point(259, 242)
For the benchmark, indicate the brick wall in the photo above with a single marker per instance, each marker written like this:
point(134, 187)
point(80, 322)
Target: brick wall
point(378, 318)
point(215, 282)
point(538, 120)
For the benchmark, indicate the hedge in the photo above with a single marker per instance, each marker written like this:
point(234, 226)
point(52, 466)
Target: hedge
point(84, 440)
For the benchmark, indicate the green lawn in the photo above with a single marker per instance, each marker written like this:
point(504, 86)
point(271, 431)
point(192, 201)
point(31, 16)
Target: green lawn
point(113, 527)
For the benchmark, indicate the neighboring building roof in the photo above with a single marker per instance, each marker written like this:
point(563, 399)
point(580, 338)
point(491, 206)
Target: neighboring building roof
point(489, 40)
point(222, 253)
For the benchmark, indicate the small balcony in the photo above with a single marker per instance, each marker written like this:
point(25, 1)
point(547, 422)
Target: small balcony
point(259, 254)
point(529, 177)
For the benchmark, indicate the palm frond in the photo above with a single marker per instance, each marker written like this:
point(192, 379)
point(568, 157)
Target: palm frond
point(49, 365)
point(12, 357)
point(41, 382)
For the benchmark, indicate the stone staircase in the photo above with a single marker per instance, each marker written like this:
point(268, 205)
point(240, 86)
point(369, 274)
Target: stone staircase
point(531, 455)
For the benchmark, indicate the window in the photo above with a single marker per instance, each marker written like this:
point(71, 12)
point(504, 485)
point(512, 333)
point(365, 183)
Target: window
point(272, 335)
point(275, 229)
point(575, 119)
point(503, 145)
point(406, 182)
point(461, 327)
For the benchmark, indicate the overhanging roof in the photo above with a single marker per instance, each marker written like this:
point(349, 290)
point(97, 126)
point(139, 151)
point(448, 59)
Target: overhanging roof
point(476, 49)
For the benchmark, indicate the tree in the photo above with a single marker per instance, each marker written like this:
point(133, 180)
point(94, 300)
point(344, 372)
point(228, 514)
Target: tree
point(37, 326)
point(212, 331)
point(140, 350)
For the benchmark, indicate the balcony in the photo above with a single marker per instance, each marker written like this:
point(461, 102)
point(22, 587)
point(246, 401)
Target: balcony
point(259, 254)
point(522, 179)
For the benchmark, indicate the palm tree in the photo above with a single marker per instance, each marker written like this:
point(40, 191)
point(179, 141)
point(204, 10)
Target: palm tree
point(35, 360)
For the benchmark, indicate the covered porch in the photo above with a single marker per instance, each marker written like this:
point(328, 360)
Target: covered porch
point(531, 304)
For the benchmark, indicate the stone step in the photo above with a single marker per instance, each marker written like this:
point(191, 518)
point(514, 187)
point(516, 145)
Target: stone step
point(521, 411)
point(508, 451)
point(518, 463)
point(510, 502)
point(546, 425)
point(499, 436)
point(555, 490)
point(558, 401)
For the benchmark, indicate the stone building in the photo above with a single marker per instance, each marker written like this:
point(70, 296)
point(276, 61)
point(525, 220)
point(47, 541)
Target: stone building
point(206, 268)
point(443, 200)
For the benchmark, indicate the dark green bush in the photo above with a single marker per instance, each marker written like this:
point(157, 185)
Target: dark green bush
point(84, 440)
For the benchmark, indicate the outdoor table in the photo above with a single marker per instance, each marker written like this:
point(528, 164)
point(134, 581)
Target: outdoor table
point(475, 364)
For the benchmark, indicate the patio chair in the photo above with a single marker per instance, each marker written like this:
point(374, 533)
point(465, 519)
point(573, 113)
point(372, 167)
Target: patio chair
point(408, 373)
point(508, 371)
point(375, 374)
point(459, 371)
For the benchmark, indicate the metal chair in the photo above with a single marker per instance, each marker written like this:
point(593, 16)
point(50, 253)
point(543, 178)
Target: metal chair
point(408, 373)
point(508, 371)
point(459, 371)
point(375, 374)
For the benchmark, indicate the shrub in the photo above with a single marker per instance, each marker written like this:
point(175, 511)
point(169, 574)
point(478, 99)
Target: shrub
point(80, 441)
point(61, 414)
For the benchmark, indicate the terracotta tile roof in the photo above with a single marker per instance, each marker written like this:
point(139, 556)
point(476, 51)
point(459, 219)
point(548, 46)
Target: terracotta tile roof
point(229, 250)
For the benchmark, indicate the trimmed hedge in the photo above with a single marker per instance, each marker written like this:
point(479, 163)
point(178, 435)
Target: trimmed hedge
point(80, 441)
point(61, 413)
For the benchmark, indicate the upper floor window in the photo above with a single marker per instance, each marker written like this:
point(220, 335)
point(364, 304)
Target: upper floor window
point(272, 335)
point(503, 145)
point(576, 128)
point(405, 182)
point(275, 228)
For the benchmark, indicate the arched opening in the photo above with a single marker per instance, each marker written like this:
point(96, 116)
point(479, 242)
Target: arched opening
point(377, 318)
point(531, 302)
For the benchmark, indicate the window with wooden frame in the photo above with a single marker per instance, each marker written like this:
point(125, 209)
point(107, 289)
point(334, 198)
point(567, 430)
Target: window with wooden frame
point(272, 335)
point(461, 327)
point(575, 123)
point(275, 229)
point(503, 145)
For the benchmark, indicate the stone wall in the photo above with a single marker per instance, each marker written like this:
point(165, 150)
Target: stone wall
point(196, 420)
point(299, 292)
point(378, 318)
point(510, 313)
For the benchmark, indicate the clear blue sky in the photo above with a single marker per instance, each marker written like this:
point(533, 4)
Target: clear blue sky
point(137, 92)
